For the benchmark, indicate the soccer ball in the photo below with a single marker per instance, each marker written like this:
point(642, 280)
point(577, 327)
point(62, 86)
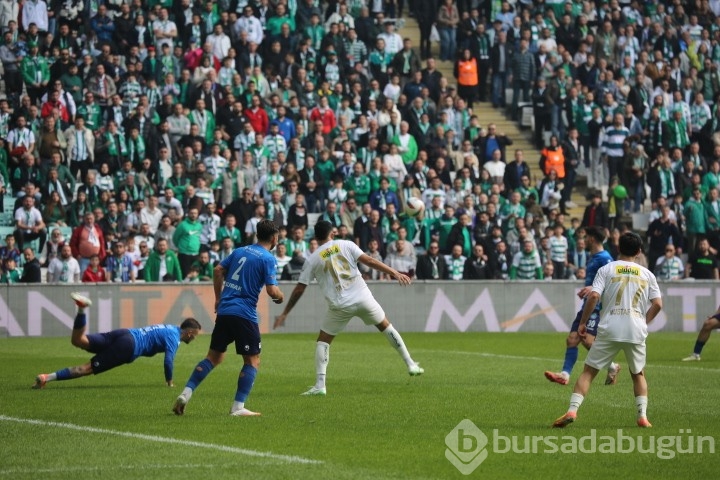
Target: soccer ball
point(414, 207)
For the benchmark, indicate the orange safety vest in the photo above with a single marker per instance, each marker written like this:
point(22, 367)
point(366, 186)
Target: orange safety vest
point(468, 73)
point(554, 159)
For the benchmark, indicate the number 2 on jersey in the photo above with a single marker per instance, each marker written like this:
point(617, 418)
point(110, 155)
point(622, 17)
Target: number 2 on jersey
point(236, 274)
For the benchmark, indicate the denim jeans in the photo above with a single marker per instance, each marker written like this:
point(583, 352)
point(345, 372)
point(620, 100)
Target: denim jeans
point(499, 84)
point(447, 43)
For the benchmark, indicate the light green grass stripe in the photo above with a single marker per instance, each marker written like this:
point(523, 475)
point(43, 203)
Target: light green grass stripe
point(154, 438)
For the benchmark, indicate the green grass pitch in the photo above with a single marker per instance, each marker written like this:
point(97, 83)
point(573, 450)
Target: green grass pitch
point(375, 423)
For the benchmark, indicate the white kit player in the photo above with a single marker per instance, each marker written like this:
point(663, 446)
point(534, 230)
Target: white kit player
point(630, 300)
point(334, 265)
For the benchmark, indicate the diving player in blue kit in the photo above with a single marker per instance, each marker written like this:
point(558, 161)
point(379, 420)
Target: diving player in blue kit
point(119, 347)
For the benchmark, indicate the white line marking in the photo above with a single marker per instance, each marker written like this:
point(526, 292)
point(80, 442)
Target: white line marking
point(545, 359)
point(154, 438)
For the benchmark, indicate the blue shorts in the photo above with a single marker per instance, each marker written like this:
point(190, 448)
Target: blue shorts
point(229, 329)
point(592, 323)
point(111, 350)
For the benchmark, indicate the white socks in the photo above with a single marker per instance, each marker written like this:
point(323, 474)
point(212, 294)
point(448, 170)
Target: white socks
point(51, 377)
point(641, 403)
point(575, 401)
point(322, 358)
point(237, 406)
point(397, 343)
point(187, 393)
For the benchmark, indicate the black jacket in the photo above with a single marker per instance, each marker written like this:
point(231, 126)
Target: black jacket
point(477, 269)
point(31, 272)
point(425, 267)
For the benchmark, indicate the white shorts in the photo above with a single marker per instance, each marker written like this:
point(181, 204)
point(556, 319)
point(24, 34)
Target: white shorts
point(603, 352)
point(368, 310)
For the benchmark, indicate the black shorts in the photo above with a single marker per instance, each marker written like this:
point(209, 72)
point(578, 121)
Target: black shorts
point(229, 329)
point(592, 323)
point(111, 350)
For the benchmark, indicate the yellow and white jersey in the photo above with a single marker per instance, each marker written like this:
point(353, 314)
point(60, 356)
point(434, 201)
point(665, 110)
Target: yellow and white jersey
point(626, 290)
point(335, 266)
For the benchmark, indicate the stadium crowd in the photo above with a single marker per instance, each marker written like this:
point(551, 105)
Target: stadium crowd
point(159, 133)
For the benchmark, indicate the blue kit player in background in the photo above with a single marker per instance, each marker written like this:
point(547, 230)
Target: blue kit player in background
point(119, 347)
point(238, 280)
point(594, 238)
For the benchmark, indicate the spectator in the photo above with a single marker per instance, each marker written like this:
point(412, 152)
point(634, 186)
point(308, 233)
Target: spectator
point(94, 273)
point(432, 266)
point(595, 214)
point(64, 268)
point(477, 266)
point(11, 273)
point(402, 258)
point(702, 264)
point(669, 267)
point(455, 263)
point(204, 267)
point(31, 268)
point(119, 265)
point(87, 240)
point(162, 265)
point(29, 224)
point(187, 239)
point(526, 264)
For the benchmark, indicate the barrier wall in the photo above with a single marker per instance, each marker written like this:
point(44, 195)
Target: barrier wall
point(46, 310)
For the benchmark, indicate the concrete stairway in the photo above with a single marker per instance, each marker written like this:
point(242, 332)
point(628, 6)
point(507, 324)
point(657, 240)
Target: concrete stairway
point(522, 138)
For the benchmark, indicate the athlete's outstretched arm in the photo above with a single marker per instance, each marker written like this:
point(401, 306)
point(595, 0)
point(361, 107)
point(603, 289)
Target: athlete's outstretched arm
point(294, 298)
point(381, 267)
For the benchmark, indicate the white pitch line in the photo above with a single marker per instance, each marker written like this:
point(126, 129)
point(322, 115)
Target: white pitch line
point(544, 359)
point(158, 439)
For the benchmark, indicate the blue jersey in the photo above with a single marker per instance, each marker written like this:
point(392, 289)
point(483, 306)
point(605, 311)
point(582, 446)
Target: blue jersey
point(247, 271)
point(597, 261)
point(155, 339)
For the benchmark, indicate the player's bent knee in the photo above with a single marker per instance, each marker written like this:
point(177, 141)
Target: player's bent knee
point(588, 341)
point(252, 360)
point(572, 340)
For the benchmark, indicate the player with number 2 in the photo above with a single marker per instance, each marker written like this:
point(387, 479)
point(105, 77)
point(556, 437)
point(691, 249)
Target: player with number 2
point(236, 299)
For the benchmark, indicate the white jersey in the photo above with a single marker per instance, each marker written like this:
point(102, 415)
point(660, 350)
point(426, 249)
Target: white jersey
point(626, 290)
point(334, 265)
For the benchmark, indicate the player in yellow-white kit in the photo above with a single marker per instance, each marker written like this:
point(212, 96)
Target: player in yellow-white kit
point(334, 265)
point(630, 299)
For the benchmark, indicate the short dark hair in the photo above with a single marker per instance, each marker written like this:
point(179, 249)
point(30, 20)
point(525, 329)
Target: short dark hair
point(190, 323)
point(266, 230)
point(630, 244)
point(323, 229)
point(596, 233)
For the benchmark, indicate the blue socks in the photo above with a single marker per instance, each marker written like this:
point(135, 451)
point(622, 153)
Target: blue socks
point(201, 371)
point(63, 374)
point(698, 347)
point(245, 383)
point(571, 356)
point(80, 321)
